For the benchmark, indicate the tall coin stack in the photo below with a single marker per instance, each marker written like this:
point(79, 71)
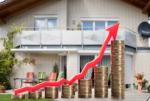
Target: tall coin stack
point(101, 82)
point(117, 68)
point(68, 91)
point(51, 92)
point(85, 88)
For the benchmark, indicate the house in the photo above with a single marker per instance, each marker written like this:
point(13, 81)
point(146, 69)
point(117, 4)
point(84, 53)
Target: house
point(70, 33)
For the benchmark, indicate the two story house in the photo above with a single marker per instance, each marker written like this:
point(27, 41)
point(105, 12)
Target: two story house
point(69, 33)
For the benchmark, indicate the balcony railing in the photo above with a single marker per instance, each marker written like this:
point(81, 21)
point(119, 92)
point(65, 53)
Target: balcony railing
point(31, 37)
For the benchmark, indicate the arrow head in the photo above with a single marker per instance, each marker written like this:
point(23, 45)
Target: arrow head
point(113, 30)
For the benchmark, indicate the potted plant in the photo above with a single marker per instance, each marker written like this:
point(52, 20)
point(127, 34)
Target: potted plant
point(54, 74)
point(139, 79)
point(144, 84)
point(75, 87)
point(2, 88)
point(56, 69)
point(28, 60)
point(148, 88)
point(79, 26)
point(8, 60)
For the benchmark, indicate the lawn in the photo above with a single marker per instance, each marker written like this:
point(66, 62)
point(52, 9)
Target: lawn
point(8, 98)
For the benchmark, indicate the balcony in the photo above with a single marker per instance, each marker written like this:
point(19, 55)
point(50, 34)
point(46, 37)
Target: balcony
point(59, 38)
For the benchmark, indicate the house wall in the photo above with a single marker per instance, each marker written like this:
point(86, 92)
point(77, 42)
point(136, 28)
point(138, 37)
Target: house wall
point(73, 61)
point(69, 13)
point(128, 15)
point(26, 18)
point(142, 63)
point(43, 63)
point(129, 68)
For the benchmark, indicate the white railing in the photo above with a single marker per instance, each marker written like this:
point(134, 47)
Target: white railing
point(69, 37)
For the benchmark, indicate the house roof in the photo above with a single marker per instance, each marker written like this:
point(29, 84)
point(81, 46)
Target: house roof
point(143, 4)
point(9, 7)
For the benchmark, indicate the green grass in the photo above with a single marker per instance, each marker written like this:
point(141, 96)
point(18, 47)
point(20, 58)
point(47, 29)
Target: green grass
point(8, 98)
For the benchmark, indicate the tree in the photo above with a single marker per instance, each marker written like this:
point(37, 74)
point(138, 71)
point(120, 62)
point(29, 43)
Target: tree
point(7, 59)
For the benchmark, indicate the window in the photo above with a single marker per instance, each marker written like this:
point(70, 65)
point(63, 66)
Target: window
point(40, 24)
point(45, 23)
point(96, 25)
point(83, 60)
point(87, 25)
point(99, 25)
point(52, 23)
point(110, 23)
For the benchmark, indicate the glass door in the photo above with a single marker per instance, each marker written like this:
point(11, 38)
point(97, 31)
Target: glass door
point(83, 61)
point(63, 67)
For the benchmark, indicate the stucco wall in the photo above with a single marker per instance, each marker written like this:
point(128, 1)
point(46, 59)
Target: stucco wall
point(70, 12)
point(49, 8)
point(73, 62)
point(44, 63)
point(142, 64)
point(128, 15)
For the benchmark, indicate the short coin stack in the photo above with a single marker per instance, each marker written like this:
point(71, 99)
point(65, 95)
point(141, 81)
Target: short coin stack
point(85, 88)
point(117, 69)
point(51, 92)
point(68, 91)
point(101, 82)
point(33, 95)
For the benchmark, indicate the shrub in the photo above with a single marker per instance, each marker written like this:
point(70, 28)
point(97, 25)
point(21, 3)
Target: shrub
point(7, 59)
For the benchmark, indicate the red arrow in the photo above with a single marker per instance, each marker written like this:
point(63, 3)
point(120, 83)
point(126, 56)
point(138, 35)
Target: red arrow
point(112, 34)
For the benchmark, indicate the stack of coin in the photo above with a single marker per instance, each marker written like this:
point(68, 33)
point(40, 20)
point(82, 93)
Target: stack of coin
point(20, 96)
point(15, 97)
point(85, 88)
point(101, 82)
point(33, 95)
point(117, 68)
point(51, 92)
point(68, 91)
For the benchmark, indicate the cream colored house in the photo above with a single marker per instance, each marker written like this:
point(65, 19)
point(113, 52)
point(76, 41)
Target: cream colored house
point(70, 33)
